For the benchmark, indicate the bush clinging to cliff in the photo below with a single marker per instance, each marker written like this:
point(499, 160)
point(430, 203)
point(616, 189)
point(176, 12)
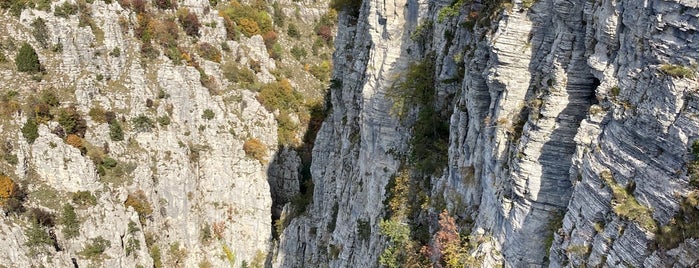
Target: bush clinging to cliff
point(27, 60)
point(256, 149)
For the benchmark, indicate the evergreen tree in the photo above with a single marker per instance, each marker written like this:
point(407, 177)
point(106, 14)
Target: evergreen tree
point(27, 60)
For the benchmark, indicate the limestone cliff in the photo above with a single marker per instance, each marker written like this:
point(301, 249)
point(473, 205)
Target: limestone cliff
point(142, 140)
point(569, 128)
point(474, 133)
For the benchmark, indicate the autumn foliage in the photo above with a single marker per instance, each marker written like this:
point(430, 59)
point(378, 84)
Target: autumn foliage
point(75, 141)
point(139, 202)
point(8, 187)
point(255, 148)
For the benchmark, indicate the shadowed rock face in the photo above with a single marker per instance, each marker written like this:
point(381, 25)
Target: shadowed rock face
point(546, 98)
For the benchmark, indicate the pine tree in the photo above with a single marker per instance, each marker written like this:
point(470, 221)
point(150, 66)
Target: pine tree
point(115, 132)
point(27, 60)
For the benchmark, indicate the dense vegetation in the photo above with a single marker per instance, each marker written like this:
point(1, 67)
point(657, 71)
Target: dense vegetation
point(430, 139)
point(27, 60)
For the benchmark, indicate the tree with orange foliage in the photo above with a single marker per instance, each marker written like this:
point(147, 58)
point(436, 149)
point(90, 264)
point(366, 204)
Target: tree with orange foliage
point(249, 27)
point(8, 188)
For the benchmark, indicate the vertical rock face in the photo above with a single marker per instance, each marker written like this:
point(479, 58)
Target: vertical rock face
point(556, 106)
point(351, 154)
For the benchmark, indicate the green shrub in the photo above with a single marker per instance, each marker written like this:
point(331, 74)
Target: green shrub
point(209, 52)
point(398, 235)
point(109, 162)
point(30, 130)
point(177, 254)
point(96, 248)
point(72, 122)
point(208, 114)
point(115, 131)
point(40, 32)
point(49, 98)
point(430, 139)
point(57, 48)
point(350, 6)
point(98, 114)
point(65, 10)
point(363, 229)
point(298, 52)
point(555, 223)
point(237, 74)
point(71, 226)
point(27, 60)
point(322, 71)
point(677, 71)
point(450, 11)
point(276, 52)
point(164, 120)
point(280, 95)
point(173, 53)
point(293, 31)
point(279, 16)
point(286, 129)
point(528, 3)
point(132, 245)
point(84, 198)
point(116, 52)
point(615, 90)
point(37, 237)
point(142, 123)
point(155, 254)
point(250, 19)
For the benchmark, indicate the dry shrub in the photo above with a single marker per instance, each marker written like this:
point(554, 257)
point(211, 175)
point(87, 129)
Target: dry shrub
point(189, 22)
point(249, 27)
point(256, 149)
point(139, 202)
point(75, 141)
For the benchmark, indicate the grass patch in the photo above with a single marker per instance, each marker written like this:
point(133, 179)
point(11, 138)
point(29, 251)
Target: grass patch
point(626, 206)
point(677, 71)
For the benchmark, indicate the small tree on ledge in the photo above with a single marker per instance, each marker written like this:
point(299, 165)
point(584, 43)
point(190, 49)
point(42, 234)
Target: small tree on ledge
point(27, 60)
